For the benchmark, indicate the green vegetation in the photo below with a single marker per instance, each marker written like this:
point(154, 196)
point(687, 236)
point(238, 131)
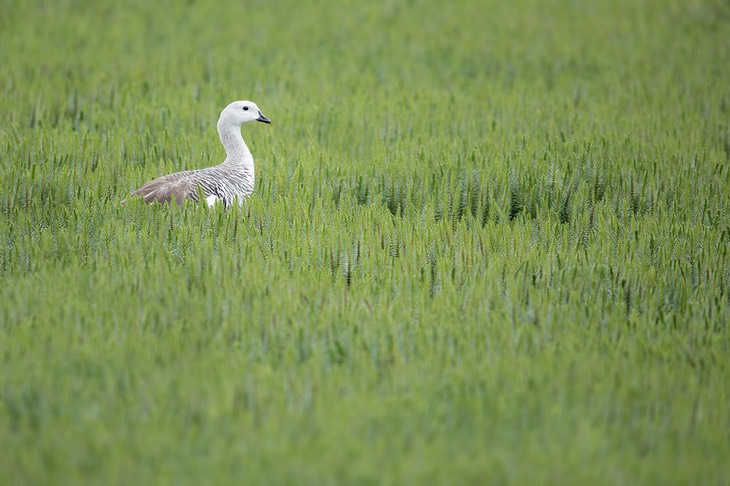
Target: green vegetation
point(488, 244)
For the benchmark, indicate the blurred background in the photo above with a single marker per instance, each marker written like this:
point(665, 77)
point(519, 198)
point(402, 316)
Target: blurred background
point(342, 72)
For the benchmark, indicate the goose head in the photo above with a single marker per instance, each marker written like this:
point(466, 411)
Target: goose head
point(240, 112)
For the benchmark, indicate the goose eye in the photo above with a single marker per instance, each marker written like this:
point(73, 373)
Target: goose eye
point(245, 108)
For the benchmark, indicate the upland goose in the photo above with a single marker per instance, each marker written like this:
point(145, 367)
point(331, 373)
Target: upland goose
point(225, 182)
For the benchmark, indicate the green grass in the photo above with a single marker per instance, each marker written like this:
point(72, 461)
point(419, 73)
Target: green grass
point(488, 244)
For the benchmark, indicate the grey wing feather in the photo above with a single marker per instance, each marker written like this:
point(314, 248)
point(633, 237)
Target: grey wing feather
point(166, 188)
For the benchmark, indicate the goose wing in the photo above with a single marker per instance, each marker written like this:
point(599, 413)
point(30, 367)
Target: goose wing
point(177, 187)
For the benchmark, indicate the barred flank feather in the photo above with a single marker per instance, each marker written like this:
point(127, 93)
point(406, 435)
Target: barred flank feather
point(226, 182)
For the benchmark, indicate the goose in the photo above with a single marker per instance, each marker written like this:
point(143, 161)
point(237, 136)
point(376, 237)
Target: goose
point(234, 178)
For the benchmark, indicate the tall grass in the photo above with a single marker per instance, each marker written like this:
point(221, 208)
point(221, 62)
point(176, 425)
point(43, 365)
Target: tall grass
point(488, 243)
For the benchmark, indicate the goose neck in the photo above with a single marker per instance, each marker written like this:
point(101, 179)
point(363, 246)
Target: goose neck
point(236, 149)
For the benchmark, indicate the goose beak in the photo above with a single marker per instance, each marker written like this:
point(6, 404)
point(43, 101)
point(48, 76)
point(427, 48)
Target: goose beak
point(262, 118)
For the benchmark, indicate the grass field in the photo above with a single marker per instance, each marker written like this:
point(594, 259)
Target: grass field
point(488, 244)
